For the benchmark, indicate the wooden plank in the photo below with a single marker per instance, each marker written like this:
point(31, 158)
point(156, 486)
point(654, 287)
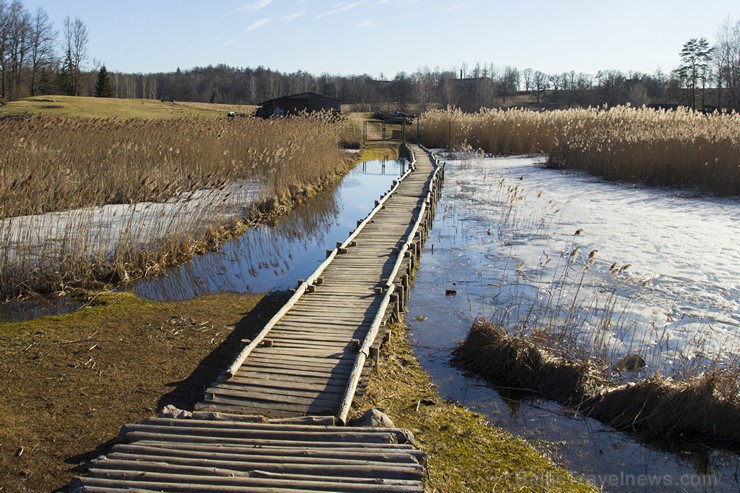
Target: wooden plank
point(284, 396)
point(277, 352)
point(249, 373)
point(305, 390)
point(286, 409)
point(174, 483)
point(290, 455)
point(327, 370)
point(292, 361)
point(117, 460)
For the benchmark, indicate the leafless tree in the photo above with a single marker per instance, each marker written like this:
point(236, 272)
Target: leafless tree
point(43, 37)
point(75, 47)
point(539, 84)
point(726, 58)
point(527, 78)
point(15, 34)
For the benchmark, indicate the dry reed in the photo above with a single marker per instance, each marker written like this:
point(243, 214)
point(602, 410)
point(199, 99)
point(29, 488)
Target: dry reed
point(141, 195)
point(706, 405)
point(682, 148)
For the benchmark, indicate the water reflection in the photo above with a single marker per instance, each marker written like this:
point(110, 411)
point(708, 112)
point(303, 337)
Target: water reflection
point(36, 306)
point(265, 257)
point(274, 257)
point(455, 257)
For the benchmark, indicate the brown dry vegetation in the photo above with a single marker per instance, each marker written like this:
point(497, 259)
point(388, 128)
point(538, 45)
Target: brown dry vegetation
point(52, 164)
point(668, 148)
point(706, 405)
point(72, 381)
point(465, 452)
point(55, 164)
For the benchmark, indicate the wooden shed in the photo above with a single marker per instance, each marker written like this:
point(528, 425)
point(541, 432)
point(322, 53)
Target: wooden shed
point(297, 103)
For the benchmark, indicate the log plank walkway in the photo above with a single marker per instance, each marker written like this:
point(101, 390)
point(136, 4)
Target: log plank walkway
point(269, 423)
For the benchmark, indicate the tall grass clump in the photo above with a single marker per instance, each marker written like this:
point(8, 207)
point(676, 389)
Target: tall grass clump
point(493, 131)
point(683, 148)
point(86, 200)
point(706, 405)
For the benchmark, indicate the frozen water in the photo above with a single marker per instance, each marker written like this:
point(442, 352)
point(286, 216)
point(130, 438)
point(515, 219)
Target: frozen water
point(503, 243)
point(663, 276)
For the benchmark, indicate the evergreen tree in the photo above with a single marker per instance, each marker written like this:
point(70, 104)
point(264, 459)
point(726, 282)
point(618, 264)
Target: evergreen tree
point(102, 87)
point(65, 78)
point(694, 69)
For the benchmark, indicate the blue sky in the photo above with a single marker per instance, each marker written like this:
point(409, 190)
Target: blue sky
point(388, 36)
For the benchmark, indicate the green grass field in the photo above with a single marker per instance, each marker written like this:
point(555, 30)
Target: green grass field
point(87, 107)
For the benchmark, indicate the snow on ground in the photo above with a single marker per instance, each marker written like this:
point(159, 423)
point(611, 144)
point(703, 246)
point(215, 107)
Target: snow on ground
point(666, 262)
point(101, 230)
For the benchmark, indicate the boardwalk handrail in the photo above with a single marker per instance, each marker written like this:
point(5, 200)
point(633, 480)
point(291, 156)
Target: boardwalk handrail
point(362, 355)
point(364, 351)
point(378, 207)
point(239, 359)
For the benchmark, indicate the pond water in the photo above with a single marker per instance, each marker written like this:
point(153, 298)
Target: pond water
point(265, 257)
point(275, 257)
point(503, 239)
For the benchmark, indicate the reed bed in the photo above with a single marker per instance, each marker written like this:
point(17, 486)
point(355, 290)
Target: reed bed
point(104, 200)
point(569, 326)
point(706, 405)
point(683, 148)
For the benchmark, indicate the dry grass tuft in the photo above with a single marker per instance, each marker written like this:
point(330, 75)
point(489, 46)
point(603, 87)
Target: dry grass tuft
point(706, 405)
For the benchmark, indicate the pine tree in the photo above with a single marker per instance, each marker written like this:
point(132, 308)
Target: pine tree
point(65, 78)
point(695, 58)
point(103, 88)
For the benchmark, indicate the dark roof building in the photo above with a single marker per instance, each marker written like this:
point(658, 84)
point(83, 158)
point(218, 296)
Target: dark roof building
point(297, 103)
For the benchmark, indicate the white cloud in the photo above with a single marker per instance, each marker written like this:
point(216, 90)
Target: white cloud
point(366, 23)
point(257, 24)
point(259, 4)
point(227, 43)
point(292, 17)
point(340, 8)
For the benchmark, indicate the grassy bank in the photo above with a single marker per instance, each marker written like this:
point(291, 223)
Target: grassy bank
point(465, 453)
point(71, 381)
point(681, 148)
point(86, 107)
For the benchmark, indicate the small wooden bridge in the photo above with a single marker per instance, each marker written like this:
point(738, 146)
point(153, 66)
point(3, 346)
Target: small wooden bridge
point(273, 421)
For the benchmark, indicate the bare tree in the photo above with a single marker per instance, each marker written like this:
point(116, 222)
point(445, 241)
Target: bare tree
point(75, 47)
point(15, 27)
point(527, 78)
point(726, 58)
point(43, 37)
point(539, 84)
point(507, 83)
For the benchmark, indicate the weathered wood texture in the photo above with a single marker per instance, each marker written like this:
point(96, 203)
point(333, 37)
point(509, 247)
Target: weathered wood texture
point(326, 331)
point(212, 455)
point(269, 421)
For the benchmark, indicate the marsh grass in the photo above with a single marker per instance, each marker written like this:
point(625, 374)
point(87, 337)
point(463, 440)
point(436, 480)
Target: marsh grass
point(466, 453)
point(105, 200)
point(564, 326)
point(707, 404)
point(683, 148)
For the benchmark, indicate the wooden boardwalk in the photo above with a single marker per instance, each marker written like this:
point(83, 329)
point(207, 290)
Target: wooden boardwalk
point(269, 422)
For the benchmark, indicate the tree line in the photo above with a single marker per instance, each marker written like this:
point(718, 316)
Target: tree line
point(36, 58)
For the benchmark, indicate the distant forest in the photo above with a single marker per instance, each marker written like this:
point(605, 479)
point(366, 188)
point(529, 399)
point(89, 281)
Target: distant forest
point(38, 59)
